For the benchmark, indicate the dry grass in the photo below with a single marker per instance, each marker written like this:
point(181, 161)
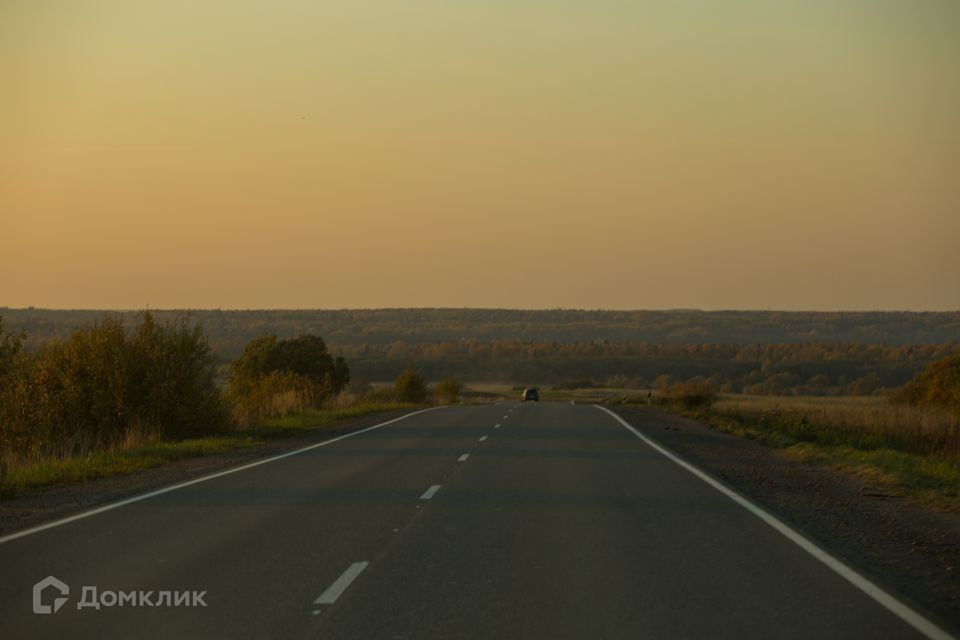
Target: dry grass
point(143, 449)
point(862, 422)
point(911, 451)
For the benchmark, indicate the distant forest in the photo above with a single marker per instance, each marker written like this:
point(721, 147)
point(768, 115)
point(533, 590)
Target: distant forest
point(818, 368)
point(229, 331)
point(769, 352)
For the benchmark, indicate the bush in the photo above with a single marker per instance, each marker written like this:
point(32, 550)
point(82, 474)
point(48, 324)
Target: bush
point(99, 386)
point(693, 394)
point(448, 391)
point(172, 380)
point(936, 386)
point(274, 377)
point(410, 386)
point(276, 394)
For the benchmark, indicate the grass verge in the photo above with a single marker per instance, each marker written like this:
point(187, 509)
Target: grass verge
point(64, 471)
point(929, 476)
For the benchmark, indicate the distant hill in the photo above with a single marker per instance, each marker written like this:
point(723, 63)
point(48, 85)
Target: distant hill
point(229, 331)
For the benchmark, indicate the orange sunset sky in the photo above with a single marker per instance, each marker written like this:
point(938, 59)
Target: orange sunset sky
point(741, 154)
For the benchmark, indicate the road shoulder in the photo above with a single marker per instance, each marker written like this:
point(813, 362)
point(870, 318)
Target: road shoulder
point(46, 505)
point(913, 550)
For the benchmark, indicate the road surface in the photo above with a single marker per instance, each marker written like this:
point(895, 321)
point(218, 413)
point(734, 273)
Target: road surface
point(537, 520)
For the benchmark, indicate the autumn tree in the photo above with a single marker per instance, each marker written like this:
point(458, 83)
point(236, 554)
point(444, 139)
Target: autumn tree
point(101, 384)
point(938, 386)
point(272, 377)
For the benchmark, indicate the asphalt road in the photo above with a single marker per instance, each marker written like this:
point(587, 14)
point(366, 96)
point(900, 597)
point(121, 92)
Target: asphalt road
point(541, 520)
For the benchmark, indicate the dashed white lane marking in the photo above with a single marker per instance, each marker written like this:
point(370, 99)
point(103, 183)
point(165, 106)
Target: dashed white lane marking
point(463, 458)
point(506, 416)
point(496, 426)
point(891, 604)
point(482, 438)
point(340, 585)
point(151, 494)
point(429, 493)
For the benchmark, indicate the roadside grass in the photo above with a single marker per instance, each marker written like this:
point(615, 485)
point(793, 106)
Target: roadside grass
point(20, 476)
point(905, 451)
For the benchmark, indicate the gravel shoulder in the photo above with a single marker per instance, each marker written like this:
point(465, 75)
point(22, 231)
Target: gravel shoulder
point(46, 505)
point(911, 551)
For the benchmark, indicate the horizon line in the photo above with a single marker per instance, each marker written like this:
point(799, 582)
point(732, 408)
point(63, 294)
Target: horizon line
point(456, 308)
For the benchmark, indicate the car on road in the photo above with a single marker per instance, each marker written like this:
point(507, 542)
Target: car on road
point(531, 394)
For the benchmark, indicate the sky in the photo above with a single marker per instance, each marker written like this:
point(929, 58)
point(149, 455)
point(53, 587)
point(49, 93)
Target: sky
point(611, 154)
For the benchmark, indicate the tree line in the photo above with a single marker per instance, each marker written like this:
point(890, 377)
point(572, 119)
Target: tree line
point(111, 384)
point(818, 368)
point(113, 380)
point(229, 331)
point(105, 384)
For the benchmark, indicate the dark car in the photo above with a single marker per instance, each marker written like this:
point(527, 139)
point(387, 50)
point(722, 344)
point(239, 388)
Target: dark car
point(530, 394)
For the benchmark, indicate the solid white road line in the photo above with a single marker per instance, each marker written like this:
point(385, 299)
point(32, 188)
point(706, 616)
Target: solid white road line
point(463, 458)
point(429, 493)
point(340, 585)
point(894, 606)
point(482, 438)
point(151, 494)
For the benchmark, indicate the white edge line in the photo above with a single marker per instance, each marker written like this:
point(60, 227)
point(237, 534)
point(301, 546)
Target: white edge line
point(181, 485)
point(341, 584)
point(463, 458)
point(429, 493)
point(902, 611)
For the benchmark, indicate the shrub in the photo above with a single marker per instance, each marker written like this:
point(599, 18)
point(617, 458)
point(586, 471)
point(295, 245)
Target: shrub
point(276, 394)
point(171, 374)
point(410, 386)
point(274, 377)
point(693, 394)
point(448, 391)
point(94, 389)
point(936, 386)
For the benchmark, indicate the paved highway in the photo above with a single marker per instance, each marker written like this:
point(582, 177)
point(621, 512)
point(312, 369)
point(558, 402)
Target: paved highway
point(540, 520)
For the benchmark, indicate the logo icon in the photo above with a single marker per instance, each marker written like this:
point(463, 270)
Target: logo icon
point(38, 589)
